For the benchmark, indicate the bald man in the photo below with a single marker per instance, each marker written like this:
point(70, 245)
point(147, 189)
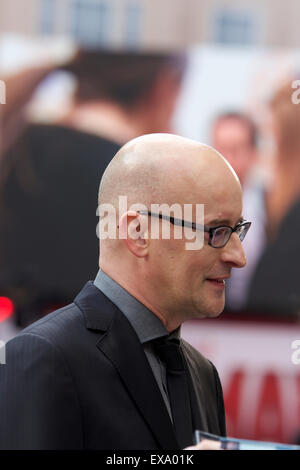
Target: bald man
point(110, 371)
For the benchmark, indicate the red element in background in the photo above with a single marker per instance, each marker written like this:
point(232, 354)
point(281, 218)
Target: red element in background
point(269, 410)
point(232, 399)
point(6, 308)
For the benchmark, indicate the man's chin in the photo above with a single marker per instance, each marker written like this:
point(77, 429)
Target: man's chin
point(210, 312)
point(214, 311)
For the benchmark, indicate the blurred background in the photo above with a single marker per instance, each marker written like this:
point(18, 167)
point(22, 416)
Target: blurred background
point(80, 78)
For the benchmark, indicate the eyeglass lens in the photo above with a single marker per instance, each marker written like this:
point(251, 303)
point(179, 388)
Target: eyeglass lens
point(222, 235)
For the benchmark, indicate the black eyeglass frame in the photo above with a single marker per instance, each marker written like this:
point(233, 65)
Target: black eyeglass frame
point(205, 228)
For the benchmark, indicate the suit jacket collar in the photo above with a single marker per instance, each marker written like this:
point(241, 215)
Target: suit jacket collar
point(97, 309)
point(146, 325)
point(122, 347)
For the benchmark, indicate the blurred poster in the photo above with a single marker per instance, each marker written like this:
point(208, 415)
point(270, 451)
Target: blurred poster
point(260, 373)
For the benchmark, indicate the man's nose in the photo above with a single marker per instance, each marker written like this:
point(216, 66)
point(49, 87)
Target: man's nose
point(233, 252)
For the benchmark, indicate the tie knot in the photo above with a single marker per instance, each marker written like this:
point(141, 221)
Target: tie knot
point(169, 352)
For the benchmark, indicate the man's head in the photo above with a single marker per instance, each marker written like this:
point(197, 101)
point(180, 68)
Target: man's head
point(175, 283)
point(142, 86)
point(234, 135)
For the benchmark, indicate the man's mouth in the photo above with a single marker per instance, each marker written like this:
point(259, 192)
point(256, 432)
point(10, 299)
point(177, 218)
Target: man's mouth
point(218, 281)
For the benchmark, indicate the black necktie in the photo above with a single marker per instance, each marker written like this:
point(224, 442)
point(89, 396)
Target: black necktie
point(169, 351)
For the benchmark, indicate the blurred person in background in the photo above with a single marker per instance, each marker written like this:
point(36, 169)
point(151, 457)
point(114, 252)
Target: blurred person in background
point(235, 136)
point(275, 287)
point(49, 173)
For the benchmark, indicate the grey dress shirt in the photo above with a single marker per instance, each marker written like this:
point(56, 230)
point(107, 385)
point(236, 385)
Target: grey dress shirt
point(146, 325)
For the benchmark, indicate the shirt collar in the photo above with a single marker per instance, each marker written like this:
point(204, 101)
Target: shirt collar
point(146, 325)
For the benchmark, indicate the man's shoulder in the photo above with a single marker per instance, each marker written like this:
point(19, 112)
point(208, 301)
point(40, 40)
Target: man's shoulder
point(73, 325)
point(198, 362)
point(56, 326)
point(205, 374)
point(194, 355)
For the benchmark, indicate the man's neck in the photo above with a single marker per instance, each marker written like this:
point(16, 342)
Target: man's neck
point(170, 321)
point(107, 120)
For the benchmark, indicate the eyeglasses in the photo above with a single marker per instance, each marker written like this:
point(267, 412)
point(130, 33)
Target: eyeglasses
point(218, 236)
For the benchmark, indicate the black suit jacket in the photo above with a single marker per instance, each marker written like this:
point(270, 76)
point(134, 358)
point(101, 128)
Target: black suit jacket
point(79, 379)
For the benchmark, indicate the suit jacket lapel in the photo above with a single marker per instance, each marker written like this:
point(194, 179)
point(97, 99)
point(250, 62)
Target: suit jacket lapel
point(122, 347)
point(197, 397)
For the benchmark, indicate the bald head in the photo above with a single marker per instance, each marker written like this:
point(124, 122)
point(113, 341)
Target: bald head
point(163, 168)
point(167, 170)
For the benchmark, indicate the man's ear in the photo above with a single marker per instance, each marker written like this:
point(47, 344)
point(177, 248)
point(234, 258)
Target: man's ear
point(133, 229)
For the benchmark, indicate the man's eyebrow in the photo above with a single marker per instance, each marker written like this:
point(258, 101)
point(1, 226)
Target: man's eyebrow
point(224, 221)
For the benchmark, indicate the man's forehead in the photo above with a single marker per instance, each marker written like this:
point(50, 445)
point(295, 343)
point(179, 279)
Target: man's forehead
point(224, 212)
point(220, 202)
point(224, 206)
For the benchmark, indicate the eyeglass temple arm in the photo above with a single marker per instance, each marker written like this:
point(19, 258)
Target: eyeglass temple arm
point(175, 221)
